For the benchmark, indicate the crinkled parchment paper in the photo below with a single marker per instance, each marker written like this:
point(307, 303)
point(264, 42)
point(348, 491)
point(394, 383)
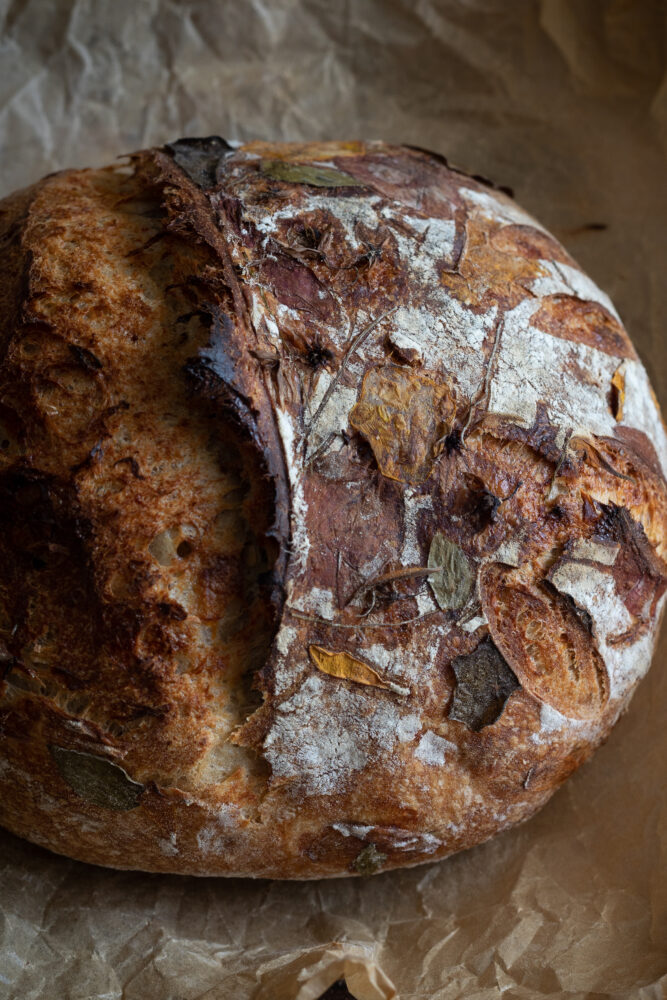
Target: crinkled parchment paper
point(566, 101)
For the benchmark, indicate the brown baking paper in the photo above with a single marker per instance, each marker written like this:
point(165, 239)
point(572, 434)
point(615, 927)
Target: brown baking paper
point(566, 101)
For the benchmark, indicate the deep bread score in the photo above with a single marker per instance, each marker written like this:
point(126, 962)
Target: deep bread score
point(333, 511)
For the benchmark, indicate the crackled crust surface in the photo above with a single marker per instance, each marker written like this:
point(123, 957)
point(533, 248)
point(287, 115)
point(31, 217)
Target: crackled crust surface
point(333, 511)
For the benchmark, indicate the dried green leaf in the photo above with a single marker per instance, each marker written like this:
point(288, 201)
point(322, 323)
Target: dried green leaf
point(484, 682)
point(453, 586)
point(300, 173)
point(369, 861)
point(97, 779)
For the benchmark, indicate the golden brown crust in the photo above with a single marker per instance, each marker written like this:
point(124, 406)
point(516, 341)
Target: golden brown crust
point(333, 511)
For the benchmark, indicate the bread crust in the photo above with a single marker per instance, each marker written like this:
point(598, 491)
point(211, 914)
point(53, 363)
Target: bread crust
point(333, 500)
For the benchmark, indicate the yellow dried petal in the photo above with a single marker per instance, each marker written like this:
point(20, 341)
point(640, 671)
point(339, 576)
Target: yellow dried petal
point(618, 382)
point(349, 668)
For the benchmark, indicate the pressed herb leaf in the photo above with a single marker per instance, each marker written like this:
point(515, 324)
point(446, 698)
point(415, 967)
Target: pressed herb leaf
point(453, 586)
point(484, 682)
point(199, 158)
point(347, 667)
point(300, 173)
point(97, 779)
point(369, 861)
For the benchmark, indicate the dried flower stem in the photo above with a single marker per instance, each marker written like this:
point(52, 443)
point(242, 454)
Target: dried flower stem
point(407, 573)
point(325, 621)
point(485, 387)
point(356, 343)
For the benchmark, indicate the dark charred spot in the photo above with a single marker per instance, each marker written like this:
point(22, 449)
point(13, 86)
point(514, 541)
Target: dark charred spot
point(504, 188)
point(174, 612)
point(482, 509)
point(133, 464)
point(452, 441)
point(372, 252)
point(303, 237)
point(94, 455)
point(543, 434)
point(88, 361)
point(472, 503)
point(613, 524)
point(318, 356)
point(590, 510)
point(203, 315)
point(631, 441)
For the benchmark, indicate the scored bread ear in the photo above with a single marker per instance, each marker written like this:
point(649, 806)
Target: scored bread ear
point(547, 640)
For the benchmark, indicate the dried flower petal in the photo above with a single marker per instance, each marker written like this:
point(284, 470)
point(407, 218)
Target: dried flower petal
point(618, 393)
point(403, 416)
point(347, 667)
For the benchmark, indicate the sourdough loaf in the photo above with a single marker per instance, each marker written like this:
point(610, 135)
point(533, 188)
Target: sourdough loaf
point(333, 511)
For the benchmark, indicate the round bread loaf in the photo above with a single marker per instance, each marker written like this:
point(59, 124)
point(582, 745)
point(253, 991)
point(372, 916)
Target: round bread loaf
point(333, 511)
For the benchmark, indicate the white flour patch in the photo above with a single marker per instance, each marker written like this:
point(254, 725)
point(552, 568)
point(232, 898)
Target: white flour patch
point(595, 591)
point(432, 748)
point(352, 829)
point(553, 723)
point(500, 210)
point(285, 638)
point(451, 338)
point(347, 211)
point(388, 662)
point(168, 845)
point(474, 623)
point(211, 840)
point(398, 839)
point(317, 601)
point(326, 732)
point(586, 548)
point(413, 505)
point(508, 552)
point(405, 345)
point(334, 417)
point(300, 540)
point(533, 367)
point(407, 728)
point(640, 409)
point(563, 279)
point(433, 248)
point(373, 566)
